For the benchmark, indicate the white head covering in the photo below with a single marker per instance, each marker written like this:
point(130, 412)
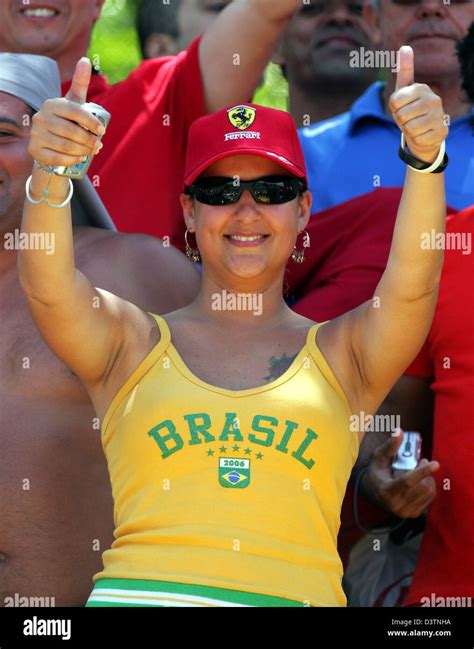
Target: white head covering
point(29, 77)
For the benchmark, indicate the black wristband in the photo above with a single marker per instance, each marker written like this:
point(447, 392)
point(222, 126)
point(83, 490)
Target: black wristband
point(411, 161)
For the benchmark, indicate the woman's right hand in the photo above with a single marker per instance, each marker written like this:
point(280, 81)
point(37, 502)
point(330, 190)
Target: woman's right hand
point(62, 132)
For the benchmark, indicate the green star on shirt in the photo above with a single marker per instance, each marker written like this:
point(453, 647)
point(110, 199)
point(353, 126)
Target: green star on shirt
point(235, 448)
point(248, 451)
point(223, 449)
point(210, 452)
point(259, 456)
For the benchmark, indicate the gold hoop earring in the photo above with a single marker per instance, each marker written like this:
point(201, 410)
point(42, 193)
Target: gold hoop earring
point(193, 253)
point(298, 256)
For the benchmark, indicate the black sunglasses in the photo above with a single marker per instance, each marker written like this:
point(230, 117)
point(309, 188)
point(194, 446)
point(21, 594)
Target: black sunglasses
point(270, 190)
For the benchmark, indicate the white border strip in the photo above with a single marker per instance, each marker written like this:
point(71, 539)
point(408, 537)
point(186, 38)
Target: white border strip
point(148, 602)
point(144, 596)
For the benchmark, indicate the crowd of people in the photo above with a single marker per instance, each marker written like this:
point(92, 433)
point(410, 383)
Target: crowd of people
point(220, 485)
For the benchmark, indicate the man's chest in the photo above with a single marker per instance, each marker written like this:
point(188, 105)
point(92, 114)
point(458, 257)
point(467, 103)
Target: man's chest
point(27, 365)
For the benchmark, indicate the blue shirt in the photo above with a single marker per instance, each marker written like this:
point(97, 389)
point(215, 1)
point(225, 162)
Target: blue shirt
point(356, 152)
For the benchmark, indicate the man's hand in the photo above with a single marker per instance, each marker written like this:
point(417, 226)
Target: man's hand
point(418, 111)
point(406, 493)
point(58, 133)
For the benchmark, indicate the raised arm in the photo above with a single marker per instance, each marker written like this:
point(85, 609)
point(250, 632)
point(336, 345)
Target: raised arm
point(82, 325)
point(384, 335)
point(236, 48)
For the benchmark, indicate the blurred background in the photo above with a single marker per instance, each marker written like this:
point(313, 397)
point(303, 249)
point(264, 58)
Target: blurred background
point(115, 49)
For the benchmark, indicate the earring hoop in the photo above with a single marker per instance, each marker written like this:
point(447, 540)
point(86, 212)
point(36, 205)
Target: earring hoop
point(298, 256)
point(193, 253)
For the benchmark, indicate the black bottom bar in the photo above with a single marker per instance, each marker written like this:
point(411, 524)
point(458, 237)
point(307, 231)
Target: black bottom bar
point(236, 628)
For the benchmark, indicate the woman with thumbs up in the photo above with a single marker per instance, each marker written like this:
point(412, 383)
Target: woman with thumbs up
point(227, 433)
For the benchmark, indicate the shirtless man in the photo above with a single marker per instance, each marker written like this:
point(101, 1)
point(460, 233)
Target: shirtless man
point(56, 505)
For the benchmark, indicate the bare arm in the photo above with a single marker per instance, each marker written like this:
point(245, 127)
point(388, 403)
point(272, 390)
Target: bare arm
point(389, 331)
point(81, 324)
point(236, 48)
point(385, 334)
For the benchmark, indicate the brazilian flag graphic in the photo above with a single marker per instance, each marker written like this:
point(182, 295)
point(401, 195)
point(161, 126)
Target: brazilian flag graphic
point(234, 472)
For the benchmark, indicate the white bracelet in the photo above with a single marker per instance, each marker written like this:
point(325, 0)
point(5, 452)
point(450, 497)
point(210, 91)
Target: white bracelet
point(45, 194)
point(435, 164)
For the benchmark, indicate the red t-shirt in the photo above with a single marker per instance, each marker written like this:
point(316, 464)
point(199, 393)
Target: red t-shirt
point(350, 244)
point(348, 252)
point(139, 172)
point(445, 567)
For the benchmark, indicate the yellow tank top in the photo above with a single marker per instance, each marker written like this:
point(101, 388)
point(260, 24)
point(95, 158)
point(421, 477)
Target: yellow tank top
point(232, 489)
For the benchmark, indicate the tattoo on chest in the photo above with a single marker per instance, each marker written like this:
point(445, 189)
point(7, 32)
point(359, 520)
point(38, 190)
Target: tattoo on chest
point(278, 366)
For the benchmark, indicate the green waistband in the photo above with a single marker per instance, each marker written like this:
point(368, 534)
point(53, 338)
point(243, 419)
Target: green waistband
point(145, 592)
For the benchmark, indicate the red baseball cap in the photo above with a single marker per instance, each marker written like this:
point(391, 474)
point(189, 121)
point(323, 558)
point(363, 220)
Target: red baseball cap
point(244, 129)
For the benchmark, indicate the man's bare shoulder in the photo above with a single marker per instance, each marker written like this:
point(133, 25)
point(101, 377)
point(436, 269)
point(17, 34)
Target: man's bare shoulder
point(104, 256)
point(136, 267)
point(94, 246)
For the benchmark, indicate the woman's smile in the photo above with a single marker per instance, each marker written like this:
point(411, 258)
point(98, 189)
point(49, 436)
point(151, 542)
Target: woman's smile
point(246, 240)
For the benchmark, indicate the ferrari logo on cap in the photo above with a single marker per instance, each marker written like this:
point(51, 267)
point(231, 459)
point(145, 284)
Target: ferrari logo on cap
point(242, 117)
